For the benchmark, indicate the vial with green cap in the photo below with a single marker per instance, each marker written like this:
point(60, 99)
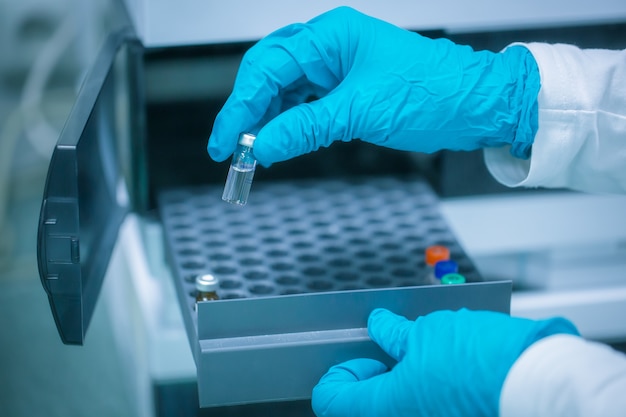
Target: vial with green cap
point(241, 171)
point(453, 279)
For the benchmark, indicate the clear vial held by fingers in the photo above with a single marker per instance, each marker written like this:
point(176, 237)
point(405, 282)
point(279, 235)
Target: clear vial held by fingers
point(241, 171)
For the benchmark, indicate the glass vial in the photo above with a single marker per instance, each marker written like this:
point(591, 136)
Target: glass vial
point(206, 288)
point(432, 255)
point(451, 279)
point(445, 267)
point(241, 172)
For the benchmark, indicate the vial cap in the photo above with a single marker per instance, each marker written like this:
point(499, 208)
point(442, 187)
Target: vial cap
point(247, 139)
point(445, 267)
point(453, 279)
point(436, 253)
point(207, 283)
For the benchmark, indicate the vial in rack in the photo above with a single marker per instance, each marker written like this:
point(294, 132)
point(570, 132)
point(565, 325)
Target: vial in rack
point(206, 288)
point(241, 171)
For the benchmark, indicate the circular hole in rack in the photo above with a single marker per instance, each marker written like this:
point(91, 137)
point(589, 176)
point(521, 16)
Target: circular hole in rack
point(319, 285)
point(302, 244)
point(390, 246)
point(296, 232)
point(419, 250)
point(193, 264)
point(358, 241)
point(445, 242)
point(189, 252)
point(327, 236)
point(229, 284)
point(251, 261)
point(190, 278)
point(351, 228)
point(378, 281)
point(370, 267)
point(307, 257)
point(333, 249)
point(365, 254)
point(241, 235)
point(346, 276)
point(287, 280)
point(340, 262)
point(215, 244)
point(266, 227)
point(281, 266)
point(219, 256)
point(211, 231)
point(255, 275)
point(321, 223)
point(181, 226)
point(277, 253)
point(403, 273)
point(206, 218)
point(261, 289)
point(185, 239)
point(246, 248)
point(224, 270)
point(382, 233)
point(272, 239)
point(397, 259)
point(313, 271)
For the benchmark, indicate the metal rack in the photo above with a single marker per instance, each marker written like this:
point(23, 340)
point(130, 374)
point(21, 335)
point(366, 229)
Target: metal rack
point(300, 268)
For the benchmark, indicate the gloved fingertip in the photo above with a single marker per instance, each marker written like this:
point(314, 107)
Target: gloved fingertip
point(332, 395)
point(383, 317)
point(215, 152)
point(390, 331)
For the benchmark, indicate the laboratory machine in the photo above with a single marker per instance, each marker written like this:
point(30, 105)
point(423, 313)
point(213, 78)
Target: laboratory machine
point(133, 209)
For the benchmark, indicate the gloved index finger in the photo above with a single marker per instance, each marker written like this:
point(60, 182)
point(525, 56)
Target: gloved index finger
point(267, 68)
point(390, 331)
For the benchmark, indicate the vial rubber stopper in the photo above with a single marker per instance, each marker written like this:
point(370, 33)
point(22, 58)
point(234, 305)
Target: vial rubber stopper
point(246, 139)
point(207, 283)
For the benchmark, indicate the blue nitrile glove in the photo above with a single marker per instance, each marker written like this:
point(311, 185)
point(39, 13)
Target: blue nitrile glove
point(378, 83)
point(449, 364)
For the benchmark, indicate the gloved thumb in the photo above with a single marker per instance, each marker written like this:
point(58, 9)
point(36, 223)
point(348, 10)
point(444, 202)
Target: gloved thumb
point(300, 130)
point(358, 388)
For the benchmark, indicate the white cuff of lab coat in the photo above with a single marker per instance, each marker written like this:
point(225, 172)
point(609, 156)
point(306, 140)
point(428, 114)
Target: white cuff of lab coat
point(565, 375)
point(581, 139)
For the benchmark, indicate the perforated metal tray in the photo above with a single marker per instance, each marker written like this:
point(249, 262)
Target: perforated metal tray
point(300, 268)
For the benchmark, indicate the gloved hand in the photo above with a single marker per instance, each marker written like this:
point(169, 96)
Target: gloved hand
point(379, 83)
point(449, 364)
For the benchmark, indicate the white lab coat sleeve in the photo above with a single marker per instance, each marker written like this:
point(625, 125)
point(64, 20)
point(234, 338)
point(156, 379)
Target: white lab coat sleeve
point(581, 138)
point(566, 376)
